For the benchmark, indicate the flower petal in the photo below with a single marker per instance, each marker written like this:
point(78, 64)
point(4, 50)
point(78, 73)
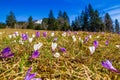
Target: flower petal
point(6, 50)
point(36, 79)
point(35, 54)
point(108, 65)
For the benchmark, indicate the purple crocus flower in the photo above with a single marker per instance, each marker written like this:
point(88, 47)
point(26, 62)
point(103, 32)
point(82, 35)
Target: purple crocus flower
point(94, 32)
point(44, 34)
point(16, 33)
point(119, 33)
point(55, 39)
point(108, 65)
point(86, 39)
point(69, 33)
point(95, 43)
point(37, 34)
point(30, 76)
point(35, 54)
point(63, 49)
point(109, 36)
point(6, 53)
point(75, 33)
point(107, 43)
point(24, 36)
point(103, 33)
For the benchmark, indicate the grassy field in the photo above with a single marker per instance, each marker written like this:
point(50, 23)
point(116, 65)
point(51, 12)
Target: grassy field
point(76, 63)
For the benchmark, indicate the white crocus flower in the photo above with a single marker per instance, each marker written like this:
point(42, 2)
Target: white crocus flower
point(21, 42)
point(37, 46)
point(52, 34)
point(10, 36)
point(92, 49)
point(90, 36)
point(26, 32)
point(80, 40)
point(54, 46)
point(57, 55)
point(33, 35)
point(64, 34)
point(74, 38)
point(0, 33)
point(98, 37)
point(14, 41)
point(118, 46)
point(16, 33)
point(30, 39)
point(14, 36)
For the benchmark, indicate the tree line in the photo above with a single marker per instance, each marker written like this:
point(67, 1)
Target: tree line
point(88, 20)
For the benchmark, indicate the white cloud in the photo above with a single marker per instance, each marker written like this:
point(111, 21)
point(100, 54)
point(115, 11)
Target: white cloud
point(112, 8)
point(116, 17)
point(114, 12)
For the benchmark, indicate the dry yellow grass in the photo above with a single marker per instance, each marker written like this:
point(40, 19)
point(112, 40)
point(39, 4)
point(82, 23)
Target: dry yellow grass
point(76, 64)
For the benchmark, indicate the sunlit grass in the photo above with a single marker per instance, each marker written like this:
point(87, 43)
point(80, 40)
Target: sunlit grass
point(76, 64)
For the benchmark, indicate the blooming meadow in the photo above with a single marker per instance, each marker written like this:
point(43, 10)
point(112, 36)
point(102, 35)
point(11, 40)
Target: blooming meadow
point(57, 55)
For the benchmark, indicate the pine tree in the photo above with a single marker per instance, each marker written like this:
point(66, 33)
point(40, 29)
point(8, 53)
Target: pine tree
point(75, 24)
point(97, 22)
point(94, 20)
point(66, 21)
point(86, 26)
point(65, 16)
point(108, 23)
point(30, 23)
point(63, 21)
point(91, 18)
point(60, 14)
point(117, 27)
point(2, 25)
point(51, 21)
point(60, 20)
point(44, 23)
point(81, 19)
point(11, 20)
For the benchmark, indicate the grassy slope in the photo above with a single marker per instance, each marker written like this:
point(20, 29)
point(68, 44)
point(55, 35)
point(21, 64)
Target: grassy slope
point(76, 63)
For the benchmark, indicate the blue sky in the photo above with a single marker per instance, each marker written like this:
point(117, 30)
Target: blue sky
point(40, 8)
